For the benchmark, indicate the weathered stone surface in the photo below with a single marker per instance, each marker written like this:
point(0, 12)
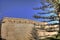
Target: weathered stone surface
point(21, 29)
point(16, 31)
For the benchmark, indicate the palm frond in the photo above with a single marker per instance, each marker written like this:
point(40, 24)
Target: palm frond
point(54, 3)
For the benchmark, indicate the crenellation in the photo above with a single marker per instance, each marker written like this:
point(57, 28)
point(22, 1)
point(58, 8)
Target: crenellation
point(21, 20)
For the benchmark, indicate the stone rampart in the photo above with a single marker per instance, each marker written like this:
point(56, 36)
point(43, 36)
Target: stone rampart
point(21, 29)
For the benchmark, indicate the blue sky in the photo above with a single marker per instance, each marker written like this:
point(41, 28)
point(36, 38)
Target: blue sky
point(21, 8)
point(17, 8)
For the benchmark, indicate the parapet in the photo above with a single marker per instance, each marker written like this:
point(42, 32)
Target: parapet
point(21, 20)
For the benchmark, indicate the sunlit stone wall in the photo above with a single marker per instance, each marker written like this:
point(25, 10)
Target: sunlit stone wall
point(21, 29)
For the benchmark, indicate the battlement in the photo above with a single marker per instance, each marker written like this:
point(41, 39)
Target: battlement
point(21, 20)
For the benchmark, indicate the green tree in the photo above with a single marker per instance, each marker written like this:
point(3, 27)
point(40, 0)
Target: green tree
point(50, 10)
point(57, 7)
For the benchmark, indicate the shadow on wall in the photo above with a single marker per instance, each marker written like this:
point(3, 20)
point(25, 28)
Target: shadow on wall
point(0, 31)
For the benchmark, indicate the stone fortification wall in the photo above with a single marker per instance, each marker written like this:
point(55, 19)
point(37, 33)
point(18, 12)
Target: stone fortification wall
point(21, 29)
